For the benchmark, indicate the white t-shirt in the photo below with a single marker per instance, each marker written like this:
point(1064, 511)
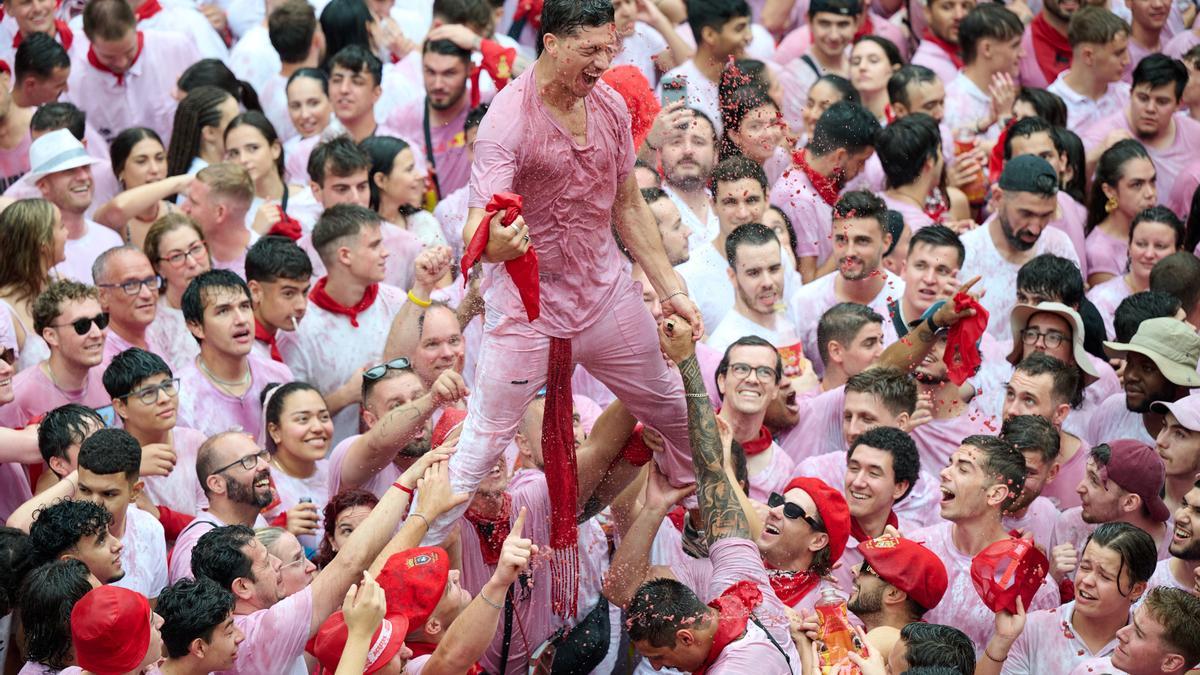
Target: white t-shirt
point(144, 554)
point(82, 252)
point(640, 49)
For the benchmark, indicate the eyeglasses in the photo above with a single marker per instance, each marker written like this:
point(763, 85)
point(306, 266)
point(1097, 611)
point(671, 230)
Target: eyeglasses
point(195, 252)
point(149, 395)
point(84, 325)
point(134, 286)
point(763, 372)
point(375, 372)
point(793, 511)
point(1053, 338)
point(300, 561)
point(248, 462)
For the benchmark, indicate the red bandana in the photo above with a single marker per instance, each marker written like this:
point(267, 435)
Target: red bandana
point(63, 33)
point(759, 444)
point(962, 340)
point(856, 530)
point(497, 62)
point(286, 226)
point(263, 335)
point(826, 187)
point(95, 61)
point(420, 649)
point(867, 28)
point(1052, 49)
point(791, 587)
point(677, 516)
point(950, 49)
point(321, 299)
point(733, 613)
point(492, 531)
point(147, 10)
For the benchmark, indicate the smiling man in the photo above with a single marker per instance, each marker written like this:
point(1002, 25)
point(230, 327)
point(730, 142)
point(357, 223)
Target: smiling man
point(79, 530)
point(198, 632)
point(1180, 569)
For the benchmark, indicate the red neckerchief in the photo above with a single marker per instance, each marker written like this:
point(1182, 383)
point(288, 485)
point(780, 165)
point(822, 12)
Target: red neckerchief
point(962, 356)
point(321, 299)
point(791, 587)
point(733, 613)
point(857, 532)
point(1052, 49)
point(677, 515)
point(63, 33)
point(147, 10)
point(867, 28)
point(758, 444)
point(95, 61)
point(826, 187)
point(263, 335)
point(492, 531)
point(428, 648)
point(950, 49)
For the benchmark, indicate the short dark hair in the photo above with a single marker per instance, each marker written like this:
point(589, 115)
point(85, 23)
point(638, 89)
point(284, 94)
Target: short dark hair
point(342, 220)
point(1064, 379)
point(1052, 277)
point(1026, 127)
point(1159, 214)
point(343, 156)
point(750, 234)
point(932, 644)
point(713, 14)
point(59, 115)
point(894, 389)
point(446, 48)
point(897, 85)
point(1157, 70)
point(65, 426)
point(841, 323)
point(475, 117)
point(1138, 307)
point(906, 461)
point(47, 596)
point(472, 13)
point(1002, 463)
point(938, 236)
point(1136, 547)
point(196, 295)
point(39, 55)
point(1032, 432)
point(1048, 105)
point(905, 145)
point(749, 341)
point(57, 528)
point(564, 18)
point(108, 20)
point(357, 59)
point(130, 368)
point(274, 257)
point(987, 21)
point(1178, 275)
point(737, 168)
point(191, 608)
point(110, 451)
point(660, 608)
point(291, 27)
point(1076, 159)
point(218, 555)
point(862, 204)
point(843, 125)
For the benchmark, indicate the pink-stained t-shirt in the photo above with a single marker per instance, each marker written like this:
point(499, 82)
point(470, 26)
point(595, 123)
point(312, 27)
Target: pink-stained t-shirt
point(272, 94)
point(938, 439)
point(1180, 198)
point(935, 58)
point(1113, 421)
point(1106, 297)
point(811, 216)
point(451, 213)
point(1170, 158)
point(818, 296)
point(307, 351)
point(1049, 644)
point(966, 105)
point(1163, 576)
point(296, 152)
point(1098, 666)
point(1079, 422)
point(377, 483)
point(449, 142)
point(1082, 110)
point(914, 217)
point(36, 394)
point(211, 410)
point(82, 252)
point(142, 97)
point(1071, 219)
point(180, 564)
point(774, 476)
point(14, 163)
point(568, 190)
point(1038, 521)
point(275, 637)
point(1029, 71)
point(237, 264)
point(171, 338)
point(918, 509)
point(291, 490)
point(1071, 529)
point(819, 429)
point(1136, 53)
point(144, 554)
point(1180, 43)
point(702, 93)
point(1061, 491)
point(961, 606)
point(180, 490)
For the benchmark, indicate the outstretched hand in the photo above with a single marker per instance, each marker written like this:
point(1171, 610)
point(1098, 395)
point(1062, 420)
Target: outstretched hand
point(676, 337)
point(516, 554)
point(947, 315)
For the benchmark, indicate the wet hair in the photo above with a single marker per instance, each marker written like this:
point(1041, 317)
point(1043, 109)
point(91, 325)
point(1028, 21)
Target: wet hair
point(58, 528)
point(342, 154)
point(273, 257)
point(862, 204)
point(1157, 70)
point(1032, 432)
point(842, 323)
point(291, 27)
point(26, 229)
point(49, 305)
point(895, 390)
point(750, 234)
point(344, 24)
point(121, 146)
point(735, 107)
point(259, 121)
point(742, 73)
point(14, 565)
point(1002, 463)
point(1159, 214)
point(38, 56)
point(1052, 277)
point(218, 555)
point(46, 599)
point(747, 341)
point(342, 501)
point(356, 59)
point(214, 73)
point(987, 21)
point(111, 451)
point(1076, 159)
point(1048, 106)
point(190, 609)
point(1138, 307)
point(108, 20)
point(383, 151)
point(662, 607)
point(1065, 379)
point(1094, 25)
point(1026, 127)
point(932, 645)
point(713, 14)
point(938, 236)
point(905, 145)
point(1177, 274)
point(844, 125)
point(65, 426)
point(906, 461)
point(1139, 553)
point(897, 86)
point(475, 117)
point(199, 109)
point(131, 368)
point(201, 289)
point(732, 169)
point(59, 115)
point(1178, 612)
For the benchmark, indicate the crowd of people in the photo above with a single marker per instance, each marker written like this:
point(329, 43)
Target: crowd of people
point(600, 336)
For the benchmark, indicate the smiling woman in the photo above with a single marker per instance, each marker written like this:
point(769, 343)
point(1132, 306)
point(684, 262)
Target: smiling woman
point(298, 432)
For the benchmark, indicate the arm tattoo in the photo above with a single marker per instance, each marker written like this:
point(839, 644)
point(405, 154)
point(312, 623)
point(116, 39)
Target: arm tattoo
point(723, 515)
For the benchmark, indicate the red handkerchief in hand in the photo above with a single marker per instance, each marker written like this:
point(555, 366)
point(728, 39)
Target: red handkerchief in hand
point(523, 270)
point(287, 226)
point(962, 340)
point(497, 63)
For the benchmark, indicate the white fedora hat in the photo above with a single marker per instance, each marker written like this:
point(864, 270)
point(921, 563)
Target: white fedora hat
point(57, 151)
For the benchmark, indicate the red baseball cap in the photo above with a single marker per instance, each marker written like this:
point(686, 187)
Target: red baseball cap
point(1007, 569)
point(1136, 467)
point(835, 513)
point(909, 566)
point(414, 582)
point(329, 642)
point(451, 418)
point(110, 630)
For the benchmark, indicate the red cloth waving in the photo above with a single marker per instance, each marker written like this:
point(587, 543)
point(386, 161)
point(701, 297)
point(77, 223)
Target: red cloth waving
point(498, 62)
point(962, 340)
point(523, 270)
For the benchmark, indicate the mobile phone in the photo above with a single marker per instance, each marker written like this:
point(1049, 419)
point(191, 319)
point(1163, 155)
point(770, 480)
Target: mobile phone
point(108, 415)
point(674, 89)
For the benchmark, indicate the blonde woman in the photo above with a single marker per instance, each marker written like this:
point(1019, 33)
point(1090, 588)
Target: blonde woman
point(33, 240)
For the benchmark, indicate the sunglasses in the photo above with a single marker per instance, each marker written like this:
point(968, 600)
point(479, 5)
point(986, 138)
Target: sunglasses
point(375, 372)
point(84, 325)
point(793, 511)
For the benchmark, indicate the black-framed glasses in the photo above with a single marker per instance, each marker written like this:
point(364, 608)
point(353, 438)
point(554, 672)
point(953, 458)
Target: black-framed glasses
point(1053, 338)
point(134, 286)
point(248, 462)
point(196, 252)
point(764, 373)
point(84, 324)
point(793, 511)
point(376, 372)
point(149, 395)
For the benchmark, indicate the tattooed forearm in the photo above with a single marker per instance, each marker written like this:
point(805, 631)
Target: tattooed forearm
point(719, 504)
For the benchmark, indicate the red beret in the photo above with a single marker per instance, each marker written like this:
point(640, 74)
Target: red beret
point(414, 581)
point(835, 513)
point(330, 641)
point(908, 566)
point(110, 630)
point(1006, 569)
point(451, 418)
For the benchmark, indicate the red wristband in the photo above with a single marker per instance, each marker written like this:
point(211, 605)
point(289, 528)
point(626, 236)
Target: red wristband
point(402, 488)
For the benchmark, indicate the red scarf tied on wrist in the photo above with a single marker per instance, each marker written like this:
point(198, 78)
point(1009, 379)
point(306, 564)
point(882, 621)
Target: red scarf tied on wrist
point(950, 49)
point(494, 530)
point(321, 299)
point(94, 60)
point(734, 607)
point(62, 31)
point(263, 335)
point(859, 535)
point(962, 340)
point(1052, 49)
point(523, 270)
point(826, 187)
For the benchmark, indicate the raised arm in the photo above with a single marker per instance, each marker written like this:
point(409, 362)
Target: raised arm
point(434, 497)
point(22, 518)
point(908, 352)
point(430, 266)
point(117, 212)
